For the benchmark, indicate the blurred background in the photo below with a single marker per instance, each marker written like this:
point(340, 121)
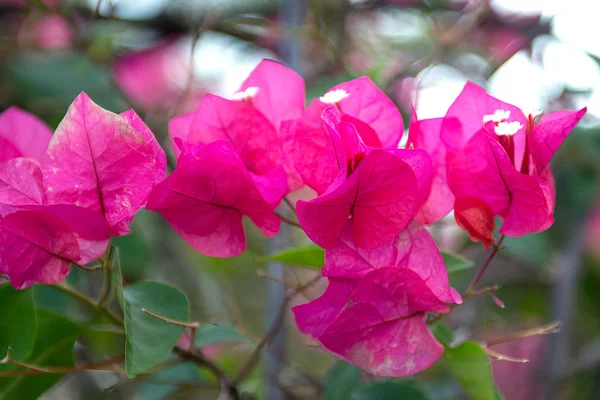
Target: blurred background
point(160, 57)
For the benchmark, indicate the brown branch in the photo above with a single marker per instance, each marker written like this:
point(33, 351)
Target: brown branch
point(503, 357)
point(275, 327)
point(197, 357)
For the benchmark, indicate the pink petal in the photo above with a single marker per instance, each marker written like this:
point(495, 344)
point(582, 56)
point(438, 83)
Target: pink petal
point(426, 135)
point(280, 93)
point(382, 329)
point(369, 104)
point(414, 249)
point(532, 200)
point(272, 186)
point(98, 161)
point(549, 134)
point(470, 107)
point(476, 217)
point(420, 162)
point(38, 244)
point(140, 127)
point(22, 135)
point(252, 135)
point(179, 128)
point(20, 184)
point(380, 196)
point(310, 148)
point(287, 135)
point(474, 172)
point(314, 317)
point(204, 200)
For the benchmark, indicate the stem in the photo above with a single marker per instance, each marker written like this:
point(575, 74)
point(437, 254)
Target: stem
point(106, 286)
point(471, 288)
point(64, 288)
point(502, 357)
point(38, 370)
point(275, 327)
point(552, 327)
point(192, 325)
point(88, 269)
point(287, 220)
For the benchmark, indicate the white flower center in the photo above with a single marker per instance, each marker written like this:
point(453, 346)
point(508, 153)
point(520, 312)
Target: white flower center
point(247, 94)
point(502, 127)
point(334, 96)
point(497, 116)
point(507, 128)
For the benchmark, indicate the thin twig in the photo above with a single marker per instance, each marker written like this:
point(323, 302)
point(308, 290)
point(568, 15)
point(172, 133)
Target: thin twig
point(487, 289)
point(66, 289)
point(287, 220)
point(550, 328)
point(471, 288)
point(277, 324)
point(31, 369)
point(502, 357)
point(289, 203)
point(192, 325)
point(88, 269)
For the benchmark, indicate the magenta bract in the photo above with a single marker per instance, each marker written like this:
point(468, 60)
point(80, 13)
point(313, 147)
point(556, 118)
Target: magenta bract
point(205, 198)
point(38, 243)
point(22, 135)
point(98, 160)
point(376, 191)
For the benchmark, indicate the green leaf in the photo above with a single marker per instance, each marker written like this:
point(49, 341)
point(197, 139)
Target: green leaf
point(341, 380)
point(390, 390)
point(307, 256)
point(179, 373)
point(149, 339)
point(443, 333)
point(212, 334)
point(17, 321)
point(456, 263)
point(470, 366)
point(53, 347)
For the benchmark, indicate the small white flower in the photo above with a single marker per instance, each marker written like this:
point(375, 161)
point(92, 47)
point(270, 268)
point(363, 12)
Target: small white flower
point(507, 128)
point(247, 94)
point(334, 96)
point(497, 116)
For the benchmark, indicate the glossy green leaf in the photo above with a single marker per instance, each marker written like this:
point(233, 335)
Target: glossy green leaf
point(470, 365)
point(306, 256)
point(341, 380)
point(390, 390)
point(456, 263)
point(17, 321)
point(53, 347)
point(213, 334)
point(149, 339)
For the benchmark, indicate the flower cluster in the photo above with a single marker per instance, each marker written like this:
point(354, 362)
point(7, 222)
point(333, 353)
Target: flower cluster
point(62, 196)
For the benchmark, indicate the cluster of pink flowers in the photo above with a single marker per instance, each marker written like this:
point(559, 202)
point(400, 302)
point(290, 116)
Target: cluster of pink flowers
point(60, 201)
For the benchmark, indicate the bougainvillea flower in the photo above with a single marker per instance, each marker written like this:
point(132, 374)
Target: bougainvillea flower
point(21, 184)
point(426, 135)
point(380, 326)
point(414, 249)
point(498, 160)
point(98, 160)
point(350, 271)
point(38, 243)
point(205, 198)
point(361, 103)
point(22, 135)
point(377, 191)
point(251, 120)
